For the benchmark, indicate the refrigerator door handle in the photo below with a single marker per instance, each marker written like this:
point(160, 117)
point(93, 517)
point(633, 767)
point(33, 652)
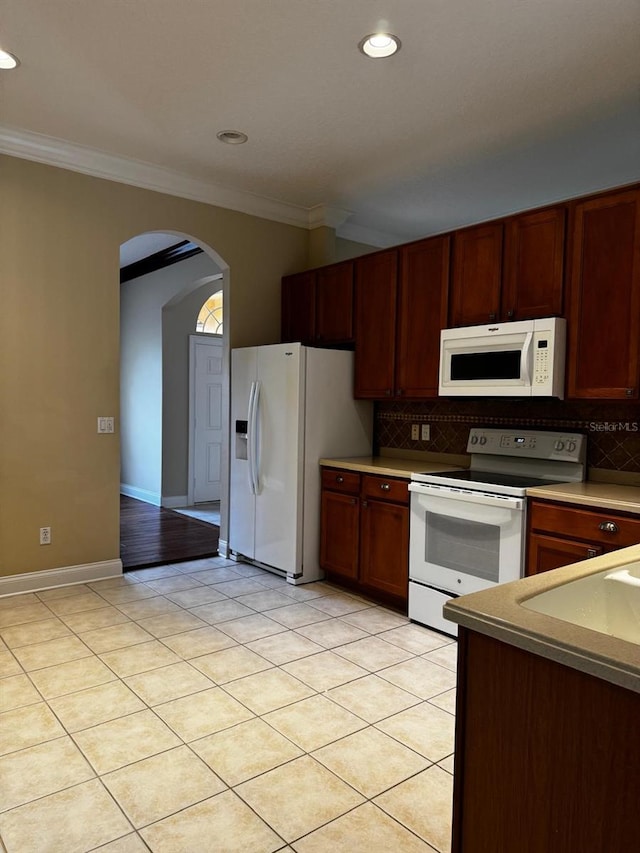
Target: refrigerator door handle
point(250, 459)
point(255, 438)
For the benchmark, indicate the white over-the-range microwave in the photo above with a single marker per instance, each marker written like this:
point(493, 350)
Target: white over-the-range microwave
point(522, 359)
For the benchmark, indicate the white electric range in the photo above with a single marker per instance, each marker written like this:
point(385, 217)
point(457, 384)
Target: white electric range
point(468, 527)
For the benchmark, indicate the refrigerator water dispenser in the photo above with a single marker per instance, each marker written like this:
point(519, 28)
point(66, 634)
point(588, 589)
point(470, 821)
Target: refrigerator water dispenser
point(241, 439)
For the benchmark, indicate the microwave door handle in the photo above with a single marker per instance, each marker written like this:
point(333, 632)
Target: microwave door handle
point(526, 360)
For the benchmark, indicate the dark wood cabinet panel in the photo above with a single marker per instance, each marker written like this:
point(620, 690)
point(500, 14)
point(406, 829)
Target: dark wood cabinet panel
point(364, 539)
point(339, 536)
point(334, 304)
point(298, 317)
point(422, 312)
point(533, 279)
point(477, 275)
point(604, 312)
point(376, 281)
point(560, 534)
point(551, 552)
point(384, 547)
point(547, 758)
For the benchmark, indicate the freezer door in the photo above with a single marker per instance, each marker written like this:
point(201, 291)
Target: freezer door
point(279, 456)
point(242, 502)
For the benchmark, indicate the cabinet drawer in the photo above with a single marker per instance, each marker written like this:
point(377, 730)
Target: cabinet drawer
point(385, 488)
point(339, 480)
point(601, 526)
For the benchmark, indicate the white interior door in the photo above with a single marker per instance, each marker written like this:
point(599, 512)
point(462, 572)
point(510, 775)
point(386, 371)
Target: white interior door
point(207, 436)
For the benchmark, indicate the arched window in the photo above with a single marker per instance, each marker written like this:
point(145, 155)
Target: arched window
point(210, 316)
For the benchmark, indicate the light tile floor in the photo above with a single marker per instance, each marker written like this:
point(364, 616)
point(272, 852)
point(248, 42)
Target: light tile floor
point(212, 706)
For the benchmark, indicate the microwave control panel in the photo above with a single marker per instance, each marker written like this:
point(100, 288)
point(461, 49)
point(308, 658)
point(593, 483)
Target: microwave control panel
point(541, 360)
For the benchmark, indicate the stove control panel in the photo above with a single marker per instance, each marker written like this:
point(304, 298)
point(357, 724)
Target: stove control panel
point(534, 444)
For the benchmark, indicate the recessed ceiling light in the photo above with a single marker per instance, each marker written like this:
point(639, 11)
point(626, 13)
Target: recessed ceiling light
point(232, 137)
point(8, 60)
point(379, 45)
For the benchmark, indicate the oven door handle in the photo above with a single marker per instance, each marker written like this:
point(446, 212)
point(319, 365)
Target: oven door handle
point(480, 498)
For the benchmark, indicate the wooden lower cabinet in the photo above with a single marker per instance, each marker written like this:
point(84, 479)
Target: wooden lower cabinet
point(384, 543)
point(547, 758)
point(364, 534)
point(560, 534)
point(339, 548)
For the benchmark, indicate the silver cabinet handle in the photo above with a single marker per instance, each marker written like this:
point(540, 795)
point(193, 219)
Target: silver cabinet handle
point(592, 552)
point(385, 487)
point(608, 527)
point(339, 479)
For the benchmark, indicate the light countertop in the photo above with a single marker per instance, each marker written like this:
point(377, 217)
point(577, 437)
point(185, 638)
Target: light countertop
point(498, 613)
point(389, 466)
point(592, 495)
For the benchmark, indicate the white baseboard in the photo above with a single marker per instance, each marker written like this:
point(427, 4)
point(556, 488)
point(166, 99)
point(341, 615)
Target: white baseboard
point(171, 501)
point(223, 548)
point(140, 494)
point(66, 576)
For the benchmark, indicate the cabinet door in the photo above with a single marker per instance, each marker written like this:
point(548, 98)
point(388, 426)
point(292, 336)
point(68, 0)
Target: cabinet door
point(477, 275)
point(334, 303)
point(551, 552)
point(339, 533)
point(298, 318)
point(604, 314)
point(534, 265)
point(422, 313)
point(375, 307)
point(384, 547)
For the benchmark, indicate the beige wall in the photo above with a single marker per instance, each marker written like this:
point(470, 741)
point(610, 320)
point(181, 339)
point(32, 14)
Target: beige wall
point(60, 234)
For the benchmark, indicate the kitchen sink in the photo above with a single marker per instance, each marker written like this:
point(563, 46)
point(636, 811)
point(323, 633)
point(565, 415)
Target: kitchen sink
point(608, 602)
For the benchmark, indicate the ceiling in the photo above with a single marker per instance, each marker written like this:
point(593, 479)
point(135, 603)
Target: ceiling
point(490, 106)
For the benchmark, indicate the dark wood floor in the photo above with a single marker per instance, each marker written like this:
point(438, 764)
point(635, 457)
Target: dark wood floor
point(151, 535)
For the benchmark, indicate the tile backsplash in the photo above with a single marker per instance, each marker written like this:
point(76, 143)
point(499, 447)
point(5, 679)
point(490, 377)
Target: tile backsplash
point(612, 428)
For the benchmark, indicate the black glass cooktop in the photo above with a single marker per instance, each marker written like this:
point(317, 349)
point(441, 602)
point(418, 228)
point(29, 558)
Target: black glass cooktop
point(493, 478)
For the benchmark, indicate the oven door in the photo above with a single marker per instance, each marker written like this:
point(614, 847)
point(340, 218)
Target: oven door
point(463, 541)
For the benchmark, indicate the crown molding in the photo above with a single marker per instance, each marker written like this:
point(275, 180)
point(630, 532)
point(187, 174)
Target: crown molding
point(369, 236)
point(323, 214)
point(99, 164)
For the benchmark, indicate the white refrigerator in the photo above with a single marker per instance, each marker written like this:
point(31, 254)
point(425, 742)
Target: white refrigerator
point(291, 405)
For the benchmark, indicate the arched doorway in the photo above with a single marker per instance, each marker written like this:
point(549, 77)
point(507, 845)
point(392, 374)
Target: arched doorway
point(160, 304)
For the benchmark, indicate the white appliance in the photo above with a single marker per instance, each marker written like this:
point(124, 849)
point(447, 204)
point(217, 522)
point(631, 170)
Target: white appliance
point(290, 406)
point(524, 359)
point(468, 527)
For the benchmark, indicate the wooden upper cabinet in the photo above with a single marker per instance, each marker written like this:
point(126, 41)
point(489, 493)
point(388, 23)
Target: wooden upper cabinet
point(604, 310)
point(376, 284)
point(477, 275)
point(422, 313)
point(334, 303)
point(533, 278)
point(298, 317)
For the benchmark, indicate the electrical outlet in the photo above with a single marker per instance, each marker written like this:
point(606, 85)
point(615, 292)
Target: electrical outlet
point(105, 425)
point(425, 433)
point(415, 432)
point(45, 536)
